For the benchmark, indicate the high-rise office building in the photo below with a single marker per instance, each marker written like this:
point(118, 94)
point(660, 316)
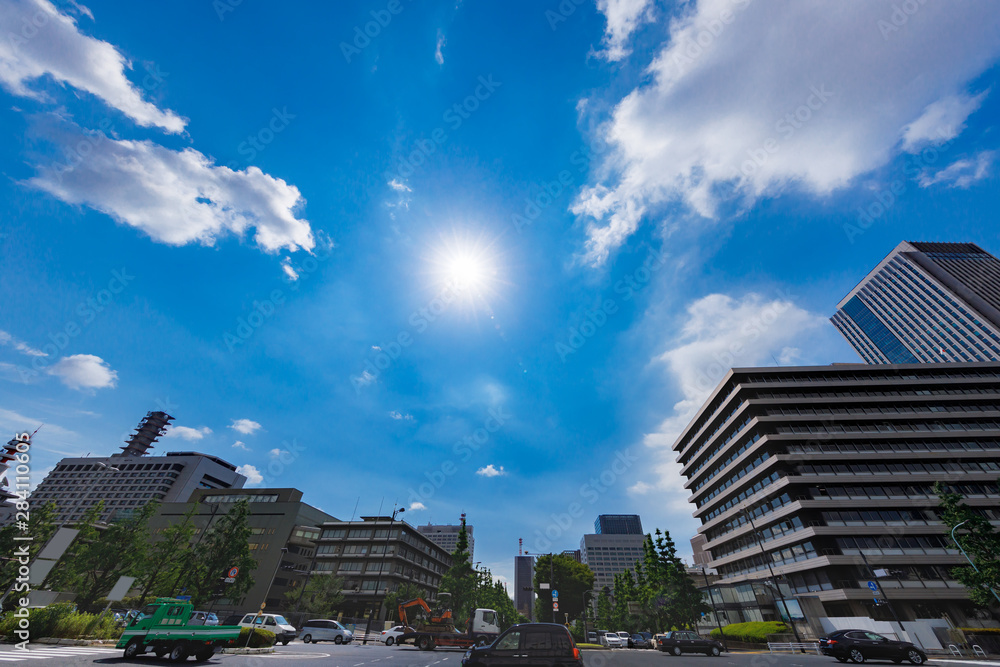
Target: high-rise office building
point(128, 480)
point(825, 476)
point(608, 555)
point(278, 520)
point(446, 537)
point(926, 302)
point(524, 591)
point(618, 524)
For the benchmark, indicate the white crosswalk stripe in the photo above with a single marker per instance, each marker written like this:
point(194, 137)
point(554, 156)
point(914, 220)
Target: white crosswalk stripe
point(46, 653)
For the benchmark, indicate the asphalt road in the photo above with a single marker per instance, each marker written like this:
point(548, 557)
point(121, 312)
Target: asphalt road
point(297, 654)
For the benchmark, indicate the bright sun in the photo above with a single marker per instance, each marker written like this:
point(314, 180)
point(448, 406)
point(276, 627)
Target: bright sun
point(466, 266)
point(466, 271)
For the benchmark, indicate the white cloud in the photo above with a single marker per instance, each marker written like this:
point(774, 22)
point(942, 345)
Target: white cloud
point(961, 173)
point(491, 471)
point(726, 115)
point(416, 507)
point(276, 452)
point(286, 266)
point(438, 53)
point(251, 473)
point(941, 121)
point(84, 371)
point(399, 186)
point(239, 444)
point(720, 333)
point(245, 426)
point(40, 41)
point(177, 197)
point(20, 346)
point(188, 433)
point(623, 17)
point(363, 380)
point(394, 414)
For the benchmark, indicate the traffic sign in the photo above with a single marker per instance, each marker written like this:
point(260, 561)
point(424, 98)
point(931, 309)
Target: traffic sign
point(233, 571)
point(555, 606)
point(872, 585)
point(230, 580)
point(555, 593)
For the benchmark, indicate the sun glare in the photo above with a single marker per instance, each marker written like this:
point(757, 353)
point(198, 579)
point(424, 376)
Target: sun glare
point(467, 267)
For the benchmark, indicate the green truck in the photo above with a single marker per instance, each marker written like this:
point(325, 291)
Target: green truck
point(162, 628)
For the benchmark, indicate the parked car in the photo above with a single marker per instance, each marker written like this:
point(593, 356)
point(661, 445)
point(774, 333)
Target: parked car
point(389, 637)
point(638, 641)
point(679, 642)
point(282, 629)
point(860, 645)
point(657, 639)
point(542, 644)
point(203, 618)
point(626, 639)
point(232, 619)
point(325, 630)
point(592, 637)
point(648, 636)
point(611, 640)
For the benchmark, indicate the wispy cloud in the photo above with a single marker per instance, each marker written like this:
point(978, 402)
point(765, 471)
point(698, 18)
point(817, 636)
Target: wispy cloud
point(188, 433)
point(239, 444)
point(961, 173)
point(22, 347)
point(623, 18)
point(439, 49)
point(394, 414)
point(245, 426)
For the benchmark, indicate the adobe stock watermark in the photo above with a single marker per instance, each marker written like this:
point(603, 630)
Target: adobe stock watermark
point(454, 117)
point(886, 198)
point(462, 451)
point(256, 142)
point(546, 192)
point(86, 312)
point(262, 310)
point(596, 318)
point(590, 493)
point(364, 34)
point(684, 55)
point(386, 354)
point(787, 126)
point(899, 17)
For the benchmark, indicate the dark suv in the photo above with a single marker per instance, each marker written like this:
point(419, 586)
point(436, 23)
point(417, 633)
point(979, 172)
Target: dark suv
point(542, 644)
point(860, 645)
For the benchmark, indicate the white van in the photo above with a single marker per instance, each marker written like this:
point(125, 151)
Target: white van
point(325, 630)
point(276, 623)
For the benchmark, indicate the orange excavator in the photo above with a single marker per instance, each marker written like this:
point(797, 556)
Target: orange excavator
point(437, 620)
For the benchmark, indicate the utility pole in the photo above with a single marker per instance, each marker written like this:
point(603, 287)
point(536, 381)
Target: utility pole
point(881, 590)
point(715, 611)
point(777, 586)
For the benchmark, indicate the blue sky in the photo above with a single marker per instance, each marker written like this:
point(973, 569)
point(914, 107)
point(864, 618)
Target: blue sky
point(486, 258)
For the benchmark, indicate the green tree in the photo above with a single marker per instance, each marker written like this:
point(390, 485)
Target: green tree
point(980, 541)
point(225, 545)
point(41, 528)
point(492, 594)
point(567, 576)
point(321, 596)
point(165, 558)
point(604, 611)
point(460, 580)
point(69, 573)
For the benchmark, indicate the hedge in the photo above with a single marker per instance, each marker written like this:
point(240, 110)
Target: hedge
point(261, 638)
point(754, 632)
point(59, 620)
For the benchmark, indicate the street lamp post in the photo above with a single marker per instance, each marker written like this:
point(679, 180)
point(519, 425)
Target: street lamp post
point(777, 586)
point(962, 549)
point(715, 611)
point(586, 636)
point(378, 579)
point(267, 592)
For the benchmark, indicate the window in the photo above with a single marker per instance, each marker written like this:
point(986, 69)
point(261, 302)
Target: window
point(509, 642)
point(538, 640)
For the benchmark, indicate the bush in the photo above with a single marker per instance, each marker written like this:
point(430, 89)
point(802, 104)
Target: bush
point(59, 620)
point(261, 638)
point(754, 632)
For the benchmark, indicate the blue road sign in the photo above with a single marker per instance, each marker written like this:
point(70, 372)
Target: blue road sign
point(872, 585)
point(555, 593)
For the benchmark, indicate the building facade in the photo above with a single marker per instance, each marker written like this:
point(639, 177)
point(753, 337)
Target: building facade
point(375, 556)
point(618, 524)
point(608, 555)
point(820, 480)
point(283, 538)
point(446, 537)
point(926, 302)
point(524, 586)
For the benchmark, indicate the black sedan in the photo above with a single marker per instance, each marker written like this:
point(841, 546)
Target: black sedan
point(860, 645)
point(679, 642)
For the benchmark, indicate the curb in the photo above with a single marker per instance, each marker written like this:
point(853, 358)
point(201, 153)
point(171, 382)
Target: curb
point(74, 642)
point(247, 651)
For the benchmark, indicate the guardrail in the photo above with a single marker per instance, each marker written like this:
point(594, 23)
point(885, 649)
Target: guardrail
point(779, 647)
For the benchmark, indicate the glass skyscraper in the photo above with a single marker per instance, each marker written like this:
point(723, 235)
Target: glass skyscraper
point(618, 524)
point(926, 302)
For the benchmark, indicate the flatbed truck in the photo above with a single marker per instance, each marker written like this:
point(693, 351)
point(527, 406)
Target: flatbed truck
point(440, 631)
point(162, 628)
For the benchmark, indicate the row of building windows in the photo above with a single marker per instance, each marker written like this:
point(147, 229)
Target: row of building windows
point(879, 409)
point(893, 544)
point(882, 491)
point(737, 476)
point(887, 427)
point(743, 542)
point(733, 432)
point(868, 377)
point(709, 416)
point(121, 467)
point(757, 562)
point(877, 517)
point(236, 497)
point(751, 441)
point(928, 467)
point(884, 393)
point(882, 447)
point(746, 493)
point(757, 510)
